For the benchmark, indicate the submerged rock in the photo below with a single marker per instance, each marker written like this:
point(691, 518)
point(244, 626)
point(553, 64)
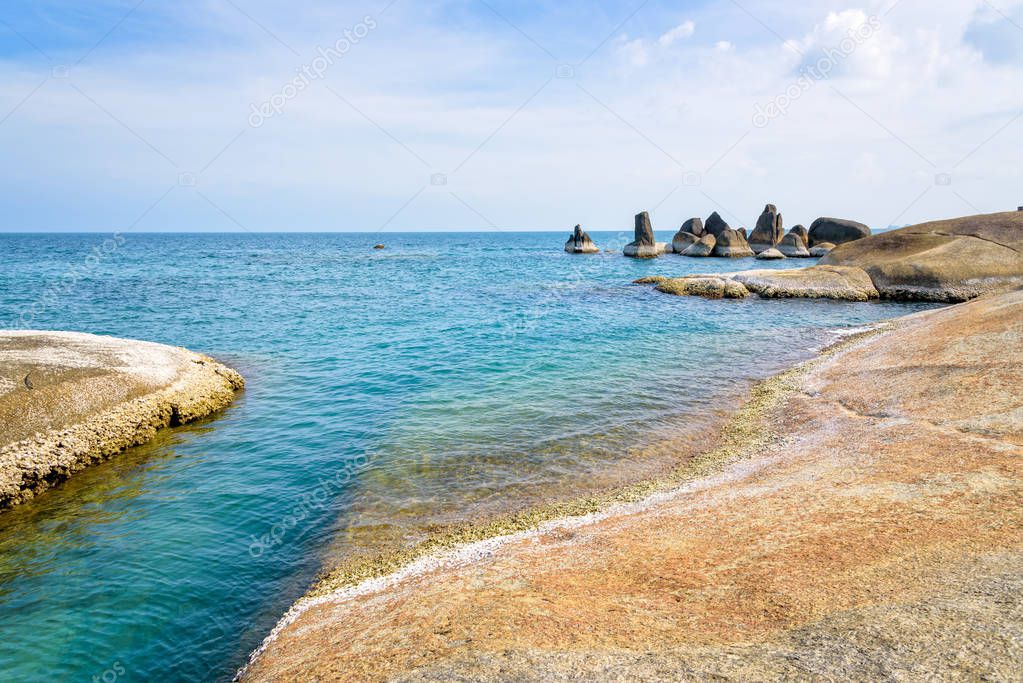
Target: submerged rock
point(580, 242)
point(768, 231)
point(949, 260)
point(378, 246)
point(709, 287)
point(732, 244)
point(815, 282)
point(644, 245)
point(771, 254)
point(821, 249)
point(836, 231)
point(792, 245)
point(715, 225)
point(701, 247)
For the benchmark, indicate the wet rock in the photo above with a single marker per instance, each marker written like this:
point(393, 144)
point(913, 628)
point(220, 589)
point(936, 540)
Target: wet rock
point(580, 242)
point(732, 244)
point(836, 231)
point(792, 245)
point(768, 231)
point(770, 255)
point(702, 247)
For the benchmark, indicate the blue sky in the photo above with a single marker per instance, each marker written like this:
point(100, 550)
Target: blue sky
point(472, 115)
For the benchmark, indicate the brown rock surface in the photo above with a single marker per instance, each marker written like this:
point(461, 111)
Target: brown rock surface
point(950, 260)
point(878, 534)
point(815, 282)
point(708, 287)
point(89, 397)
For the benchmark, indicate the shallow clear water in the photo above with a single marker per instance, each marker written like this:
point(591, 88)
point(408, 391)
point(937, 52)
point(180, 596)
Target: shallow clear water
point(389, 392)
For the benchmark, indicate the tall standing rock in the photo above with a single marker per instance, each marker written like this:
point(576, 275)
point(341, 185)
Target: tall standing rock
point(768, 231)
point(580, 242)
point(715, 225)
point(836, 231)
point(644, 245)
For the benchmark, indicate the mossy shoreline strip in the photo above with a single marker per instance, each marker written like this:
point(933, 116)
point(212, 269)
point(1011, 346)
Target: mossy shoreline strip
point(743, 435)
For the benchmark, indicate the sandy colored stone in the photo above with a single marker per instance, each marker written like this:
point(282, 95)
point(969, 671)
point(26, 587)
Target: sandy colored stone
point(707, 287)
point(950, 260)
point(815, 282)
point(877, 534)
point(90, 398)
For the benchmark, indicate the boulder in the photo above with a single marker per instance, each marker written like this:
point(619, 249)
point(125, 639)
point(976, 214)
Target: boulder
point(815, 282)
point(715, 225)
point(742, 231)
point(836, 231)
point(701, 247)
point(771, 254)
point(580, 242)
point(950, 260)
point(682, 240)
point(821, 249)
point(792, 245)
point(644, 246)
point(650, 280)
point(694, 226)
point(732, 244)
point(709, 287)
point(802, 232)
point(768, 231)
point(378, 246)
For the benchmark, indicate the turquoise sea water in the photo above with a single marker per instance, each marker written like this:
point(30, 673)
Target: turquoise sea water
point(390, 393)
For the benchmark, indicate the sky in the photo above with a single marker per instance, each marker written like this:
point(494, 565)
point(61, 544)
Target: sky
point(398, 115)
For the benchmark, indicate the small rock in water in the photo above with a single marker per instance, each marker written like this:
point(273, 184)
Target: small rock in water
point(378, 246)
point(644, 246)
point(792, 245)
point(771, 254)
point(580, 242)
point(709, 287)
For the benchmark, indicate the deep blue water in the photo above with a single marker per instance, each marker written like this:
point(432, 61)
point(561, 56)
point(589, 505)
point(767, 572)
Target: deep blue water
point(445, 377)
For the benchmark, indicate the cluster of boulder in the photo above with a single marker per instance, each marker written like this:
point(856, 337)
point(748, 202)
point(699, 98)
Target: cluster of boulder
point(716, 238)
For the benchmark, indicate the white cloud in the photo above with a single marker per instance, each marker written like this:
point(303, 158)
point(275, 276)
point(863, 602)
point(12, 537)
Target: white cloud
point(723, 46)
point(635, 52)
point(683, 30)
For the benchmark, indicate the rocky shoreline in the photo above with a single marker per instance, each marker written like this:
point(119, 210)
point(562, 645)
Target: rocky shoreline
point(69, 400)
point(861, 520)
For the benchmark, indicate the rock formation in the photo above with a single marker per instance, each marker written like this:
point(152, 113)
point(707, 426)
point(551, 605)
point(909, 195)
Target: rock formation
point(815, 282)
point(802, 232)
point(792, 245)
point(949, 260)
point(694, 226)
point(644, 246)
point(701, 247)
point(709, 287)
point(715, 225)
point(768, 231)
point(732, 244)
point(771, 254)
point(821, 249)
point(580, 242)
point(836, 231)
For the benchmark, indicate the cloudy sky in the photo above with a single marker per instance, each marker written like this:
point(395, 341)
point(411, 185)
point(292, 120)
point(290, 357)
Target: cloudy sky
point(496, 114)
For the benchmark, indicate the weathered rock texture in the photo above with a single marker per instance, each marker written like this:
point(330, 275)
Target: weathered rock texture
point(732, 244)
point(682, 241)
point(822, 249)
point(92, 397)
point(950, 260)
point(836, 231)
point(644, 246)
point(708, 287)
point(802, 232)
point(816, 282)
point(702, 247)
point(770, 255)
point(878, 536)
point(715, 225)
point(580, 242)
point(694, 226)
point(792, 245)
point(768, 231)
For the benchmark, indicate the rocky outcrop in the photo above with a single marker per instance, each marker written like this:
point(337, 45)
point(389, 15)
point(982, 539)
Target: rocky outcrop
point(792, 245)
point(768, 231)
point(770, 255)
point(682, 241)
point(822, 249)
point(644, 245)
point(732, 244)
point(702, 247)
point(68, 400)
point(693, 226)
point(950, 260)
point(860, 522)
point(580, 242)
point(715, 225)
point(836, 231)
point(803, 233)
point(815, 282)
point(708, 287)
